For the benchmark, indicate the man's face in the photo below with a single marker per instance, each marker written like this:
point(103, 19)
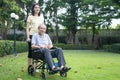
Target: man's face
point(42, 29)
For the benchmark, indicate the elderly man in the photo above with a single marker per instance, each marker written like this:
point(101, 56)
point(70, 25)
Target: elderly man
point(42, 40)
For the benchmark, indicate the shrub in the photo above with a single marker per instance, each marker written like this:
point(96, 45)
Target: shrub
point(21, 46)
point(6, 47)
point(110, 40)
point(116, 47)
point(73, 46)
point(107, 47)
point(112, 48)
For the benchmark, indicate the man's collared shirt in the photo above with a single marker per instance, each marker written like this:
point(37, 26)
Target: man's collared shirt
point(41, 40)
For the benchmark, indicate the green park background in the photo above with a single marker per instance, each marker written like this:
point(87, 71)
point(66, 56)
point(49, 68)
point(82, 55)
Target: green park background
point(82, 28)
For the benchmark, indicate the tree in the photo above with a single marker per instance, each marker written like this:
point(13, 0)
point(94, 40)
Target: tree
point(118, 26)
point(116, 4)
point(6, 7)
point(96, 14)
point(51, 9)
point(70, 18)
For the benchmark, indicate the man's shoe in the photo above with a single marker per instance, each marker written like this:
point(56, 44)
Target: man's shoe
point(65, 69)
point(53, 71)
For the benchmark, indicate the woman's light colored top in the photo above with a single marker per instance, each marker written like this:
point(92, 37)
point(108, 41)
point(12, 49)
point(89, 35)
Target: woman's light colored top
point(34, 22)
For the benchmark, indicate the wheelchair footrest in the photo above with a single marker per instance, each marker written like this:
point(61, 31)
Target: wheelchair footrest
point(56, 65)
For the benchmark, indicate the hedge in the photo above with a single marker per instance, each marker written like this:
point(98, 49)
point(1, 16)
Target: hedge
point(112, 48)
point(19, 37)
point(74, 46)
point(6, 47)
point(116, 47)
point(107, 47)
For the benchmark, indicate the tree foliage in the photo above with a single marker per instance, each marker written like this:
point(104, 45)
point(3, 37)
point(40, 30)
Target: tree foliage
point(51, 14)
point(6, 8)
point(93, 14)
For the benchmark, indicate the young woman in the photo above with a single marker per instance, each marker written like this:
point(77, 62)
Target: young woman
point(33, 21)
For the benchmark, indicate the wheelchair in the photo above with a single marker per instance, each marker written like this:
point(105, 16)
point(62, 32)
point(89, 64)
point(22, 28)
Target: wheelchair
point(38, 57)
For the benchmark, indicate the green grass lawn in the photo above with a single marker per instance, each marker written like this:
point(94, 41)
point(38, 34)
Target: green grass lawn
point(85, 64)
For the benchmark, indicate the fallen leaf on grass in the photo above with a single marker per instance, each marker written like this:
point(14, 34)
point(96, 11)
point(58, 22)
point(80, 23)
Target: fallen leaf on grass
point(22, 69)
point(0, 65)
point(98, 67)
point(58, 74)
point(19, 78)
point(52, 76)
point(9, 69)
point(75, 71)
point(11, 60)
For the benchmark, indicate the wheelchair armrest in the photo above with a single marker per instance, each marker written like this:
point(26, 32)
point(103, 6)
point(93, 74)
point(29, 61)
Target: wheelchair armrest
point(36, 50)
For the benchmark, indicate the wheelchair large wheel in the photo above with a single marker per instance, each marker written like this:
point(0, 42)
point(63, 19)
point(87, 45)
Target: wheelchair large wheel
point(31, 70)
point(63, 74)
point(43, 76)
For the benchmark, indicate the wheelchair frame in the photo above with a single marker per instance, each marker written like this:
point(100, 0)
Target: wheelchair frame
point(41, 65)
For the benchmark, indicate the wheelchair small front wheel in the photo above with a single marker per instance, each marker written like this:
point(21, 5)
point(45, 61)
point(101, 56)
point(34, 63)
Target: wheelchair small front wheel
point(31, 70)
point(43, 76)
point(63, 74)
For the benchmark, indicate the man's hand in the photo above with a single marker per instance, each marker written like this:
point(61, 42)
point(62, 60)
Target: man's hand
point(49, 46)
point(43, 46)
point(46, 46)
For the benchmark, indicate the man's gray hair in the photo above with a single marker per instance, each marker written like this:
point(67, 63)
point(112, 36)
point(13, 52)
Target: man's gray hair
point(42, 25)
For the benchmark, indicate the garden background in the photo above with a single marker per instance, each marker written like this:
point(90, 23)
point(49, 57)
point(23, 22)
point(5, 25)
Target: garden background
point(82, 28)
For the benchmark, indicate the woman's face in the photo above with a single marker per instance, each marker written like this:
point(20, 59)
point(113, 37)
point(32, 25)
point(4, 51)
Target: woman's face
point(36, 9)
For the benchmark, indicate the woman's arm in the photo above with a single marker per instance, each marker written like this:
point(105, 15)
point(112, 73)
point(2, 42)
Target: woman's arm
point(27, 31)
point(28, 28)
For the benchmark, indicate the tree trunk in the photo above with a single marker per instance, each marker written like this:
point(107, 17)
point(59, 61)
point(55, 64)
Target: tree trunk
point(93, 36)
point(56, 26)
point(74, 30)
point(4, 33)
point(73, 36)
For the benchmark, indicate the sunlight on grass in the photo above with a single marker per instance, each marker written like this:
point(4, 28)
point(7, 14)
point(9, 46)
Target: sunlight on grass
point(85, 64)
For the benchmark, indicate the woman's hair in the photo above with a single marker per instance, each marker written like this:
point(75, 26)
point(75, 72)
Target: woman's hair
point(33, 9)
